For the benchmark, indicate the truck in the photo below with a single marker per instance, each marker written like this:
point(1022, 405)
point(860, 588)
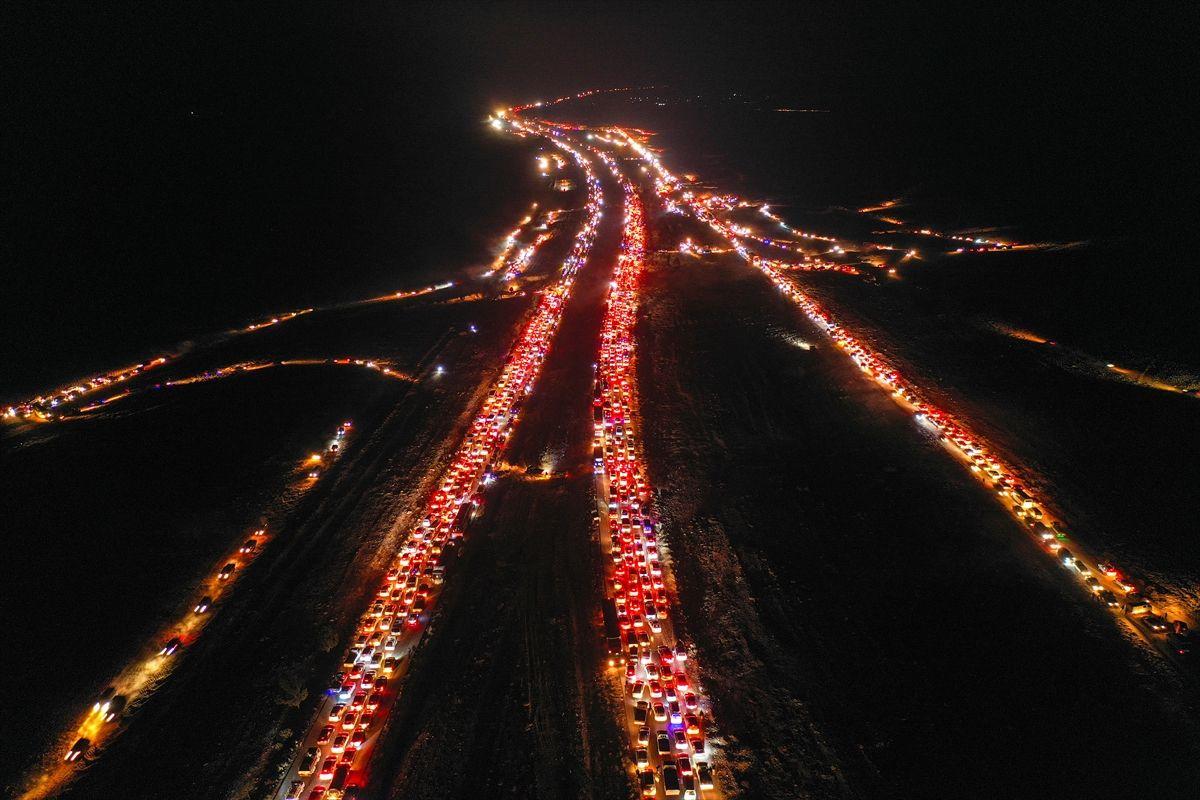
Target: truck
point(670, 778)
point(612, 631)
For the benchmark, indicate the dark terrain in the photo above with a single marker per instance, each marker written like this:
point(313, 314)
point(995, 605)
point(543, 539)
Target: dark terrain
point(869, 620)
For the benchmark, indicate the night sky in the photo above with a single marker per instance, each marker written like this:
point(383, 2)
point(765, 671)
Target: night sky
point(172, 170)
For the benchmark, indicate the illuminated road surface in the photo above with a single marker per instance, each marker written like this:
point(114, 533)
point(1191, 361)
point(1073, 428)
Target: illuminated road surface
point(666, 711)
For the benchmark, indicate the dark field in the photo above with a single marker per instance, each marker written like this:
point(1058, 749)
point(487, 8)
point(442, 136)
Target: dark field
point(870, 621)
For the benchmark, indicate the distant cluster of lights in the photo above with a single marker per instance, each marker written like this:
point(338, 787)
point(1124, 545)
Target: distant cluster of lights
point(44, 408)
point(55, 405)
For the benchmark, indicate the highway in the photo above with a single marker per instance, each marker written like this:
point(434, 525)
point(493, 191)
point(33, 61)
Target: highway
point(361, 697)
point(667, 713)
point(673, 737)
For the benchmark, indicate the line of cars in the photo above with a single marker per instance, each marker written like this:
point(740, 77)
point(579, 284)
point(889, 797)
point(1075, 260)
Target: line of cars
point(336, 750)
point(1108, 584)
point(49, 407)
point(45, 408)
point(114, 700)
point(666, 716)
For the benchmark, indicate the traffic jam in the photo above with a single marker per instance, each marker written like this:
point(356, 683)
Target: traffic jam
point(1099, 578)
point(59, 404)
point(332, 760)
point(139, 679)
point(382, 367)
point(667, 715)
point(45, 407)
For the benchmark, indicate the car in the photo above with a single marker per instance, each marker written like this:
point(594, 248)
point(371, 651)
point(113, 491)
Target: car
point(1082, 568)
point(641, 712)
point(295, 789)
point(692, 723)
point(204, 605)
point(648, 779)
point(660, 712)
point(691, 702)
point(358, 739)
point(335, 713)
point(680, 739)
point(318, 792)
point(308, 764)
point(676, 713)
point(339, 744)
point(642, 757)
point(1107, 598)
point(1180, 643)
point(1136, 605)
point(327, 768)
point(325, 735)
point(103, 701)
point(249, 546)
point(170, 647)
point(115, 707)
point(705, 775)
point(1093, 584)
point(1155, 623)
point(226, 571)
point(643, 736)
point(685, 765)
point(78, 749)
point(699, 753)
point(349, 721)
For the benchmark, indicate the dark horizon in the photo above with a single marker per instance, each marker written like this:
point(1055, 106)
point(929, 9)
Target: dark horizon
point(174, 171)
